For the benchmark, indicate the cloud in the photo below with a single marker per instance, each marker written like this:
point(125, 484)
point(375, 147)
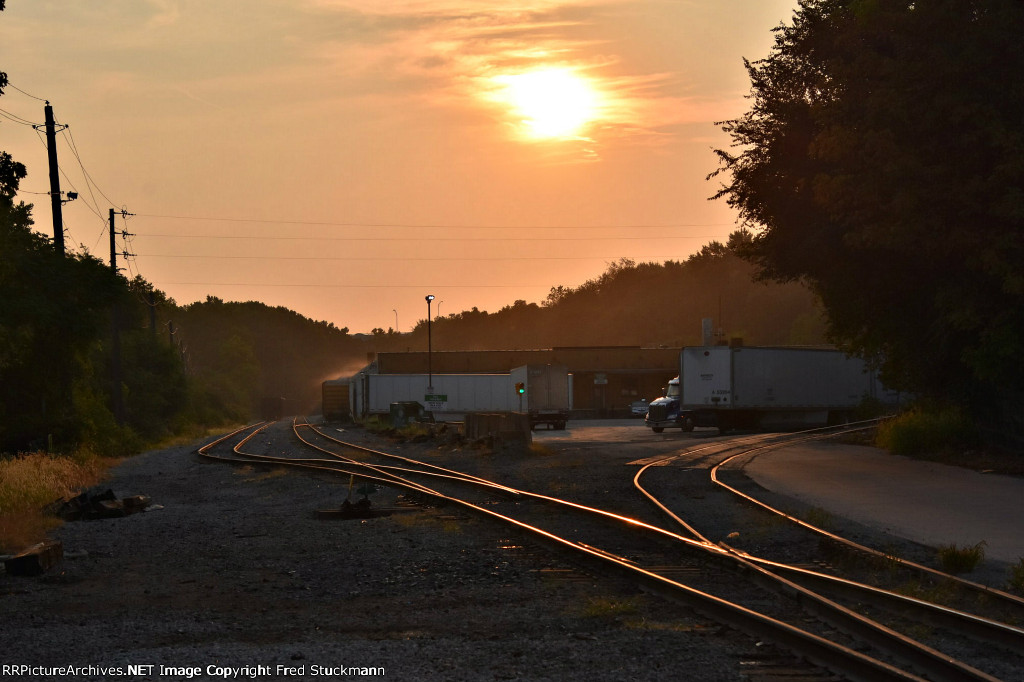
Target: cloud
point(167, 12)
point(449, 54)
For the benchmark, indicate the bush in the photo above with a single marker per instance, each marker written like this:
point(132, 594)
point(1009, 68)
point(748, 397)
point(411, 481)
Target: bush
point(921, 432)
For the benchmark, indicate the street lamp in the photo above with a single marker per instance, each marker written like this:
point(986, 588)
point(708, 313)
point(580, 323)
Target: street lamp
point(396, 319)
point(430, 370)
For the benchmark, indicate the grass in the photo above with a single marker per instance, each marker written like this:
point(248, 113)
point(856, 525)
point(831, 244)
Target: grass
point(30, 482)
point(607, 607)
point(956, 560)
point(540, 449)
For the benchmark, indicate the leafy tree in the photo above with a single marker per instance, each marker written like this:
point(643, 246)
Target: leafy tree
point(242, 354)
point(56, 317)
point(882, 163)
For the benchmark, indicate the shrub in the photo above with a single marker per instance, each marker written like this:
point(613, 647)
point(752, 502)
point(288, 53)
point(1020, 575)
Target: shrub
point(920, 432)
point(1016, 582)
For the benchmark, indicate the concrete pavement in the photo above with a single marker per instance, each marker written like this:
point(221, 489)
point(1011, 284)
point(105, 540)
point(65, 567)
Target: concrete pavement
point(927, 502)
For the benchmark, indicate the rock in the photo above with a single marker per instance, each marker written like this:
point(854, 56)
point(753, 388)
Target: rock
point(35, 560)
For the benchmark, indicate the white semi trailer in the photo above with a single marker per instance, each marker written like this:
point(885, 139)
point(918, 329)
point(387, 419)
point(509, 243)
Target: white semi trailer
point(546, 393)
point(452, 395)
point(777, 387)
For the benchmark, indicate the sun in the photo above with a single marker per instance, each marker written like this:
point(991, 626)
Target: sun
point(550, 103)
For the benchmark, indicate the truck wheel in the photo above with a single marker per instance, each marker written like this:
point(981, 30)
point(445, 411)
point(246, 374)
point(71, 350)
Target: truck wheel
point(657, 429)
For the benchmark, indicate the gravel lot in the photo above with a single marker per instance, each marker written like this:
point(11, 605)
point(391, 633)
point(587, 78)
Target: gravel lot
point(234, 574)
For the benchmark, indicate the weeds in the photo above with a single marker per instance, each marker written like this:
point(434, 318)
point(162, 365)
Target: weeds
point(29, 482)
point(450, 526)
point(540, 449)
point(820, 518)
point(942, 592)
point(1016, 582)
point(607, 607)
point(958, 560)
point(377, 425)
point(415, 432)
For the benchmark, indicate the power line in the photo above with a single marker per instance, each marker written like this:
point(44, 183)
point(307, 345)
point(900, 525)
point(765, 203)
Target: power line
point(427, 239)
point(363, 286)
point(431, 225)
point(12, 85)
point(14, 118)
point(371, 258)
point(70, 139)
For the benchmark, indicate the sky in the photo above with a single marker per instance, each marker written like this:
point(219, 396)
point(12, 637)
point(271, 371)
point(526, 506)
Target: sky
point(345, 159)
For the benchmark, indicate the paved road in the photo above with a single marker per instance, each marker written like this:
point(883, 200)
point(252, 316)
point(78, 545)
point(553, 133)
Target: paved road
point(931, 503)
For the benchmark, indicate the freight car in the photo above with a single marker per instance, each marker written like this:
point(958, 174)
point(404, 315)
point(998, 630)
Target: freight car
point(335, 400)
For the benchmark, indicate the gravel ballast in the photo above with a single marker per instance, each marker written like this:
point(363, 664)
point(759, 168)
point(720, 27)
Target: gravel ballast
point(231, 575)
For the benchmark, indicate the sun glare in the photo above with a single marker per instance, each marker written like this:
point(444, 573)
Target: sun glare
point(551, 103)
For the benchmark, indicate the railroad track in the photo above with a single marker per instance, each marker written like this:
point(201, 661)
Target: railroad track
point(881, 605)
point(687, 569)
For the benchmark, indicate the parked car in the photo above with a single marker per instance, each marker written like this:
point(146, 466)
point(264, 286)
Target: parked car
point(638, 408)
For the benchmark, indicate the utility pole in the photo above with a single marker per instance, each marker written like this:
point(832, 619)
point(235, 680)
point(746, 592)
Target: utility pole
point(55, 202)
point(115, 344)
point(152, 312)
point(430, 370)
point(113, 245)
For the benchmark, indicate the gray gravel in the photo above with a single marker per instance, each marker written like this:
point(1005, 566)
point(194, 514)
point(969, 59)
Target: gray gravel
point(235, 571)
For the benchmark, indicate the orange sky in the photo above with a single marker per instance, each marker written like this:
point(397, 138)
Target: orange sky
point(346, 158)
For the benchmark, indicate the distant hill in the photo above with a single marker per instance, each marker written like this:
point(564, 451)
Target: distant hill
point(646, 304)
point(244, 353)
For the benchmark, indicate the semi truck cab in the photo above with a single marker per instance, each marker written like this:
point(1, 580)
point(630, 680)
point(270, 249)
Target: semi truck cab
point(664, 413)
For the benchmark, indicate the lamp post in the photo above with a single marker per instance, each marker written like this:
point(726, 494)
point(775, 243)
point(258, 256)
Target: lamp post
point(396, 319)
point(430, 370)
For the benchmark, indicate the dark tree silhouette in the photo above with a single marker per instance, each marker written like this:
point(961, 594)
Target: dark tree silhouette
point(882, 163)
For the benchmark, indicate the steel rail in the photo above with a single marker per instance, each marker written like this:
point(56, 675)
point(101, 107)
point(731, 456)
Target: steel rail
point(848, 621)
point(819, 650)
point(930, 661)
point(386, 470)
point(388, 455)
point(202, 449)
point(938, 665)
point(330, 466)
point(978, 627)
point(993, 592)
